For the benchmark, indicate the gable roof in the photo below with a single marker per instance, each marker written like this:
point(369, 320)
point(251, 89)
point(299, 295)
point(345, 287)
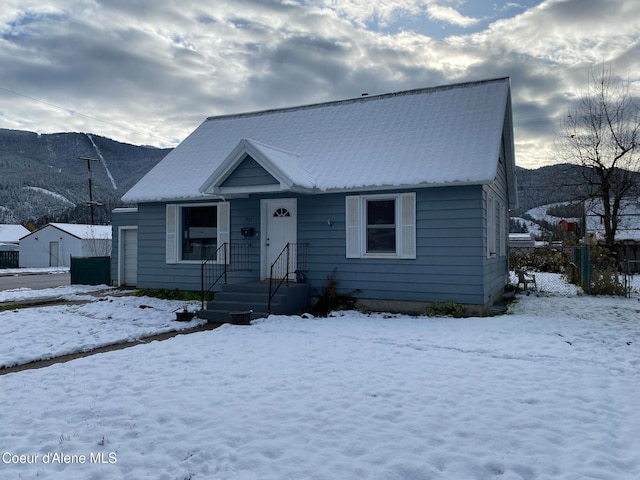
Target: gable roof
point(12, 233)
point(81, 231)
point(285, 167)
point(450, 135)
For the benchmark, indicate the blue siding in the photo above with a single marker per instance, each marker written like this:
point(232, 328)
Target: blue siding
point(449, 226)
point(496, 268)
point(154, 272)
point(451, 261)
point(248, 174)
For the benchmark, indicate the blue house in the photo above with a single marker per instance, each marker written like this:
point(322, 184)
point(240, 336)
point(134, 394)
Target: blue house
point(403, 196)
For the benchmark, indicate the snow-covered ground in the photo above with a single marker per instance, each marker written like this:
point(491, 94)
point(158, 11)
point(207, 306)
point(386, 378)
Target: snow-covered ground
point(549, 391)
point(29, 270)
point(29, 334)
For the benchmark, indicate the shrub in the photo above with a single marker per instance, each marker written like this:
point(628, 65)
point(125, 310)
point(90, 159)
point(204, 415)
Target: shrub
point(174, 294)
point(606, 282)
point(538, 259)
point(330, 300)
point(445, 309)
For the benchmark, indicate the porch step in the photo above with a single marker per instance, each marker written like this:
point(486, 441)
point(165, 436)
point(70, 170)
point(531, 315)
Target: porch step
point(290, 299)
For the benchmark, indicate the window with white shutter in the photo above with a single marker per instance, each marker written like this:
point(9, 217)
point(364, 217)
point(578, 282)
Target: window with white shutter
point(381, 226)
point(194, 232)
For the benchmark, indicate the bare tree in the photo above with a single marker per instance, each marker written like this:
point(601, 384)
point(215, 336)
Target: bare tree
point(601, 134)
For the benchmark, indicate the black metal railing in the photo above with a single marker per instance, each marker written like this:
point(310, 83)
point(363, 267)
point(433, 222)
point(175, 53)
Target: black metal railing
point(287, 266)
point(229, 257)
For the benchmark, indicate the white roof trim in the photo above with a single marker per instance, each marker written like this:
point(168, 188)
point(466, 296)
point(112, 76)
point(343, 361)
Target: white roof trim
point(270, 158)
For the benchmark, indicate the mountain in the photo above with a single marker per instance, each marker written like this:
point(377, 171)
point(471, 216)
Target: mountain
point(42, 175)
point(546, 185)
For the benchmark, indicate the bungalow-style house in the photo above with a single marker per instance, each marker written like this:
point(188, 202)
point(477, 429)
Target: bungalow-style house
point(402, 197)
point(54, 244)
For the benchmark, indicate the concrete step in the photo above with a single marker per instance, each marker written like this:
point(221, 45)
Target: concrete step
point(226, 316)
point(290, 299)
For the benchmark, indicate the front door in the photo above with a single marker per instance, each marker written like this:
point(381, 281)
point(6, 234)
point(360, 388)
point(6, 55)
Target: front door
point(279, 227)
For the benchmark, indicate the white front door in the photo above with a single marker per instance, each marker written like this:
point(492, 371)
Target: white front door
point(279, 226)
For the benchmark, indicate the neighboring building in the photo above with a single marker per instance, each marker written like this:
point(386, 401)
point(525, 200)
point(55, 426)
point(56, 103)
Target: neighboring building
point(405, 196)
point(570, 225)
point(628, 221)
point(11, 234)
point(522, 240)
point(54, 244)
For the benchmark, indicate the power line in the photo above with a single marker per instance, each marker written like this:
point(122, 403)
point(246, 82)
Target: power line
point(74, 112)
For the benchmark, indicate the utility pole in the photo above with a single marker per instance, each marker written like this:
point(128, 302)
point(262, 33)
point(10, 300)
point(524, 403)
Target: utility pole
point(91, 204)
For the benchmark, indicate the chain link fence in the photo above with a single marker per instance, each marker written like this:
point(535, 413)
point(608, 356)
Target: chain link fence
point(631, 278)
point(574, 270)
point(555, 269)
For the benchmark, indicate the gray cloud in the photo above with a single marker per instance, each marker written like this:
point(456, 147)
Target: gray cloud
point(150, 71)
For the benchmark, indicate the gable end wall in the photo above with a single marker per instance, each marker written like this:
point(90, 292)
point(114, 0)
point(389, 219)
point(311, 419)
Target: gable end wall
point(248, 174)
point(496, 268)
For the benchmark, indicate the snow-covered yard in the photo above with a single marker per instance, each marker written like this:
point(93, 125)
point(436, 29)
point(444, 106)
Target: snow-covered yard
point(41, 333)
point(549, 391)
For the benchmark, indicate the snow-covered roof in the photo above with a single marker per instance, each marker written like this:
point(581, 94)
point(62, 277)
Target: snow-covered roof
point(521, 236)
point(12, 233)
point(82, 231)
point(450, 135)
point(628, 219)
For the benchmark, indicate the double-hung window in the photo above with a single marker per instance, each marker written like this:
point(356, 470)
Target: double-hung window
point(381, 226)
point(380, 230)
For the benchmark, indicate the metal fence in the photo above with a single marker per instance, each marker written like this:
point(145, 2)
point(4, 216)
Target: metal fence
point(565, 270)
point(9, 259)
point(90, 270)
point(631, 277)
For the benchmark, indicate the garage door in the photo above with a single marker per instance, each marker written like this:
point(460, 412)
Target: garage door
point(129, 257)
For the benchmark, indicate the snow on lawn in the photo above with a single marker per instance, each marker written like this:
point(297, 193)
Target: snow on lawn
point(71, 292)
point(548, 392)
point(30, 334)
point(32, 270)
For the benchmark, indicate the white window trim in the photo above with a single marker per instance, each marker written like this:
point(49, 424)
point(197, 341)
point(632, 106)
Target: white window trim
point(491, 227)
point(503, 230)
point(405, 226)
point(173, 236)
point(496, 228)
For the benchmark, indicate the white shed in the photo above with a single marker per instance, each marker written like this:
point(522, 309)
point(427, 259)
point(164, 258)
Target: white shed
point(54, 244)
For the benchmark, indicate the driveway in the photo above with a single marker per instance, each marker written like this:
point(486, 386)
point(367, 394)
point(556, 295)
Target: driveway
point(34, 281)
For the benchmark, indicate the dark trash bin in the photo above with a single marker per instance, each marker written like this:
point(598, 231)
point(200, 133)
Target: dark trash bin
point(241, 318)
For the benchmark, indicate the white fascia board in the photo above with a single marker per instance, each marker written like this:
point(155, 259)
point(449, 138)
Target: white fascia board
point(234, 159)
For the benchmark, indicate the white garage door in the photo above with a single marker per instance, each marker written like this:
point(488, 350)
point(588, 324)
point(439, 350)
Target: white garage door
point(129, 261)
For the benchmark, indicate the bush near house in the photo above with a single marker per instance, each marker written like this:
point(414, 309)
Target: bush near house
point(540, 260)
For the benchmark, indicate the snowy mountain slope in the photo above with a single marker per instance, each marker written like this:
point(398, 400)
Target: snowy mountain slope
point(42, 175)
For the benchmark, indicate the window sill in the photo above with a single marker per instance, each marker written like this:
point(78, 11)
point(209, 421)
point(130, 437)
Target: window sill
point(391, 256)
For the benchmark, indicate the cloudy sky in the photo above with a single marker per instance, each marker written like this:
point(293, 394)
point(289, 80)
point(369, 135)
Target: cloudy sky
point(150, 71)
